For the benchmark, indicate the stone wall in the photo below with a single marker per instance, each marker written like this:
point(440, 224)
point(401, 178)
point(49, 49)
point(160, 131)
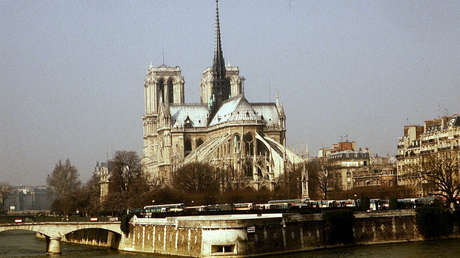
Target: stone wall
point(163, 239)
point(242, 235)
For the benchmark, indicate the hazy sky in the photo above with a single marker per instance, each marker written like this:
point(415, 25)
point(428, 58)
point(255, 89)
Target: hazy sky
point(71, 72)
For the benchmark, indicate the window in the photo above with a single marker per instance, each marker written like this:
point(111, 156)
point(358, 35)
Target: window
point(187, 146)
point(161, 96)
point(236, 143)
point(247, 168)
point(249, 145)
point(170, 91)
point(216, 249)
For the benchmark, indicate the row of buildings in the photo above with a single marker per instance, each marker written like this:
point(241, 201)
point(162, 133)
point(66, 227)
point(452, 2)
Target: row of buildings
point(438, 136)
point(27, 199)
point(349, 167)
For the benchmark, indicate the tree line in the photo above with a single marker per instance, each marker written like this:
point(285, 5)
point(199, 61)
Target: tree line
point(130, 188)
point(201, 183)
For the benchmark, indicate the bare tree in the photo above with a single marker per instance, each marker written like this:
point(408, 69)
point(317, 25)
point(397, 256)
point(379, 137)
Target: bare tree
point(5, 190)
point(64, 179)
point(88, 201)
point(127, 182)
point(65, 184)
point(319, 178)
point(290, 185)
point(323, 180)
point(441, 171)
point(313, 167)
point(126, 168)
point(196, 178)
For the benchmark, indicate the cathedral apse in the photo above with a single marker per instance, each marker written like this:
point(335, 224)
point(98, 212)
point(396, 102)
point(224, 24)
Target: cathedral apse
point(224, 130)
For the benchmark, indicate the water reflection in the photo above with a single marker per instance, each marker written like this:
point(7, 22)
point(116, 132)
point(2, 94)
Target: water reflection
point(24, 244)
point(443, 248)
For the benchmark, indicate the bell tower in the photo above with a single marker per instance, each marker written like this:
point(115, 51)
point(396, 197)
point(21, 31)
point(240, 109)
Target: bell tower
point(163, 86)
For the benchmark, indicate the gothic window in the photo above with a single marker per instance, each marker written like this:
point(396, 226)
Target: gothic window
point(170, 91)
point(198, 142)
point(236, 143)
point(259, 172)
point(228, 146)
point(261, 148)
point(161, 90)
point(249, 144)
point(187, 146)
point(247, 167)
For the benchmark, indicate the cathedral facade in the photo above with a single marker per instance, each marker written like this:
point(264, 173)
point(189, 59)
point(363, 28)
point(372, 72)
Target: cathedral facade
point(224, 129)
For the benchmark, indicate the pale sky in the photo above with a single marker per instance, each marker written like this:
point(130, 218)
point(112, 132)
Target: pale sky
point(71, 72)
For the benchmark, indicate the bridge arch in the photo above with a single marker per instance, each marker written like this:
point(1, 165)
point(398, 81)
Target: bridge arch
point(54, 231)
point(95, 237)
point(93, 228)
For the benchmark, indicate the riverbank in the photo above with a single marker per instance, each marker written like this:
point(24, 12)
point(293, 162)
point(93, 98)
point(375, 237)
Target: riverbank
point(253, 235)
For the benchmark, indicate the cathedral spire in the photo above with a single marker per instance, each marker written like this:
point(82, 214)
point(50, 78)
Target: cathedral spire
point(220, 83)
point(218, 65)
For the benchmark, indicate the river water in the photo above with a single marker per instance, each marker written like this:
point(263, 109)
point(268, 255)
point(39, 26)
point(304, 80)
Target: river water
point(24, 244)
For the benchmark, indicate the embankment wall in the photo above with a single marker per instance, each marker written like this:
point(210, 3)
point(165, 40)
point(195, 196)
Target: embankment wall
point(247, 235)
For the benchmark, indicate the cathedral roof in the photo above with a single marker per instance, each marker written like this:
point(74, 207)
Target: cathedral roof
point(235, 109)
point(268, 112)
point(193, 115)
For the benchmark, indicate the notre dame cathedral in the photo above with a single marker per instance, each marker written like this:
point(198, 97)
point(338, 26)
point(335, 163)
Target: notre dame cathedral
point(224, 129)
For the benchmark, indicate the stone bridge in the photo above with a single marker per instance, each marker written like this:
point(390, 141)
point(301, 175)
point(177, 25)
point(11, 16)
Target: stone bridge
point(54, 231)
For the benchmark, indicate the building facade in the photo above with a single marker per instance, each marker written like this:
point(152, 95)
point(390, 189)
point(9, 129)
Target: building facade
point(381, 172)
point(435, 136)
point(348, 167)
point(28, 198)
point(224, 129)
point(102, 171)
point(339, 161)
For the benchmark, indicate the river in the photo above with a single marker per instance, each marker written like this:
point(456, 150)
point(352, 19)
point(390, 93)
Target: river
point(24, 244)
